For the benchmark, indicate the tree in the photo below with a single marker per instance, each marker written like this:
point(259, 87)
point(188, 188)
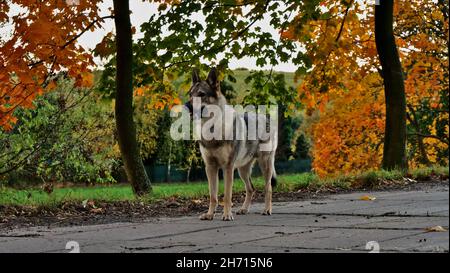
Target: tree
point(424, 53)
point(343, 92)
point(126, 130)
point(36, 42)
point(43, 42)
point(66, 137)
point(394, 154)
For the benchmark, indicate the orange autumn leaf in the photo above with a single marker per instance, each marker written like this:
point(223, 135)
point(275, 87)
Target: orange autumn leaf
point(139, 91)
point(288, 34)
point(176, 101)
point(42, 44)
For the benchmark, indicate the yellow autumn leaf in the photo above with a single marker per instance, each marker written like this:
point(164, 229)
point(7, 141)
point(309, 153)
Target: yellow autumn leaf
point(436, 229)
point(367, 198)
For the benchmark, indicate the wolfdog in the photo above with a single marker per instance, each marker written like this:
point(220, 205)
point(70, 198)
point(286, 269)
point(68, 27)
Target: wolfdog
point(231, 154)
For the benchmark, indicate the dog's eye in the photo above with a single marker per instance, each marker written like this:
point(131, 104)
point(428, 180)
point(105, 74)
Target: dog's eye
point(201, 94)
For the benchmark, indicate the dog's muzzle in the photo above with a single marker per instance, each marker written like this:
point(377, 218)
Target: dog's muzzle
point(189, 106)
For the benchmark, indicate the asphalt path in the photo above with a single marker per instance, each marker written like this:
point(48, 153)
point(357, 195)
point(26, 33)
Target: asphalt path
point(395, 221)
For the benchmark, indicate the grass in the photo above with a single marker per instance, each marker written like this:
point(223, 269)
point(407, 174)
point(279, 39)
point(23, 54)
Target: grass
point(425, 173)
point(37, 197)
point(286, 183)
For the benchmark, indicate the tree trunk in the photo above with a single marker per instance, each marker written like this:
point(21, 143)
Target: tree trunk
point(188, 174)
point(394, 154)
point(169, 166)
point(126, 129)
point(283, 149)
point(413, 121)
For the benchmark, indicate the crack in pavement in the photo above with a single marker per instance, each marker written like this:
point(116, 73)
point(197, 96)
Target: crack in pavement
point(351, 248)
point(151, 237)
point(345, 227)
point(395, 238)
point(155, 247)
point(263, 238)
point(320, 228)
point(63, 233)
point(31, 235)
point(179, 233)
point(386, 214)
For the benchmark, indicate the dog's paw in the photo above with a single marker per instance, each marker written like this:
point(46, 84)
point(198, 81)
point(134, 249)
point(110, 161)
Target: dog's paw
point(242, 211)
point(206, 216)
point(227, 217)
point(267, 212)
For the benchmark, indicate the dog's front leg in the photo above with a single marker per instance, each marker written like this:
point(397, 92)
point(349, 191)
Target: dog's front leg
point(228, 191)
point(212, 172)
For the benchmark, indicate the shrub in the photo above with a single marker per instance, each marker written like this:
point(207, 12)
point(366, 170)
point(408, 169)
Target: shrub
point(68, 136)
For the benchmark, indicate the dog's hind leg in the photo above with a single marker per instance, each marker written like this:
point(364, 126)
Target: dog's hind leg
point(245, 174)
point(266, 166)
point(212, 172)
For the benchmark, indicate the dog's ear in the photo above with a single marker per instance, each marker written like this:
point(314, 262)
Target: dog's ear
point(195, 76)
point(212, 78)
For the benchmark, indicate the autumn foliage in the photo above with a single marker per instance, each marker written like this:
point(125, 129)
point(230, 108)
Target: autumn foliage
point(38, 41)
point(343, 92)
point(341, 88)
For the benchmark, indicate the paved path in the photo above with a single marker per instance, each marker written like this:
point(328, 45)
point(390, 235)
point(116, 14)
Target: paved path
point(396, 220)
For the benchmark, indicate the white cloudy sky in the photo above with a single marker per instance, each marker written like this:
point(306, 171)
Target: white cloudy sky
point(141, 12)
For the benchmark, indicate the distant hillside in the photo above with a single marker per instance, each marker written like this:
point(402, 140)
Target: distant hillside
point(239, 86)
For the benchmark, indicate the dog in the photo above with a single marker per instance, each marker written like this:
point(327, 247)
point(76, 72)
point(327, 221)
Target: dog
point(229, 155)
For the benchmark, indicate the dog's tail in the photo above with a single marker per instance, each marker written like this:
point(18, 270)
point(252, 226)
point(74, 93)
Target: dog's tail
point(273, 180)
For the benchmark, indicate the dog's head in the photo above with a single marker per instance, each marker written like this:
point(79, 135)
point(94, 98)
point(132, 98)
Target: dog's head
point(208, 91)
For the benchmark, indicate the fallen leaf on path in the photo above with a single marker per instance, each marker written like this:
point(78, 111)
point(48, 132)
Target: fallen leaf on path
point(436, 229)
point(197, 201)
point(97, 210)
point(409, 180)
point(91, 204)
point(173, 204)
point(367, 198)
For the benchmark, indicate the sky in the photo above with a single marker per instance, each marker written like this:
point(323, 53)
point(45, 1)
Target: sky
point(141, 12)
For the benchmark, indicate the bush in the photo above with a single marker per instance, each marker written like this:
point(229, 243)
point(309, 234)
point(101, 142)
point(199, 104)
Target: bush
point(68, 136)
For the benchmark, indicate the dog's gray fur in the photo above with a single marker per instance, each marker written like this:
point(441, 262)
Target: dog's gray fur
point(230, 154)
